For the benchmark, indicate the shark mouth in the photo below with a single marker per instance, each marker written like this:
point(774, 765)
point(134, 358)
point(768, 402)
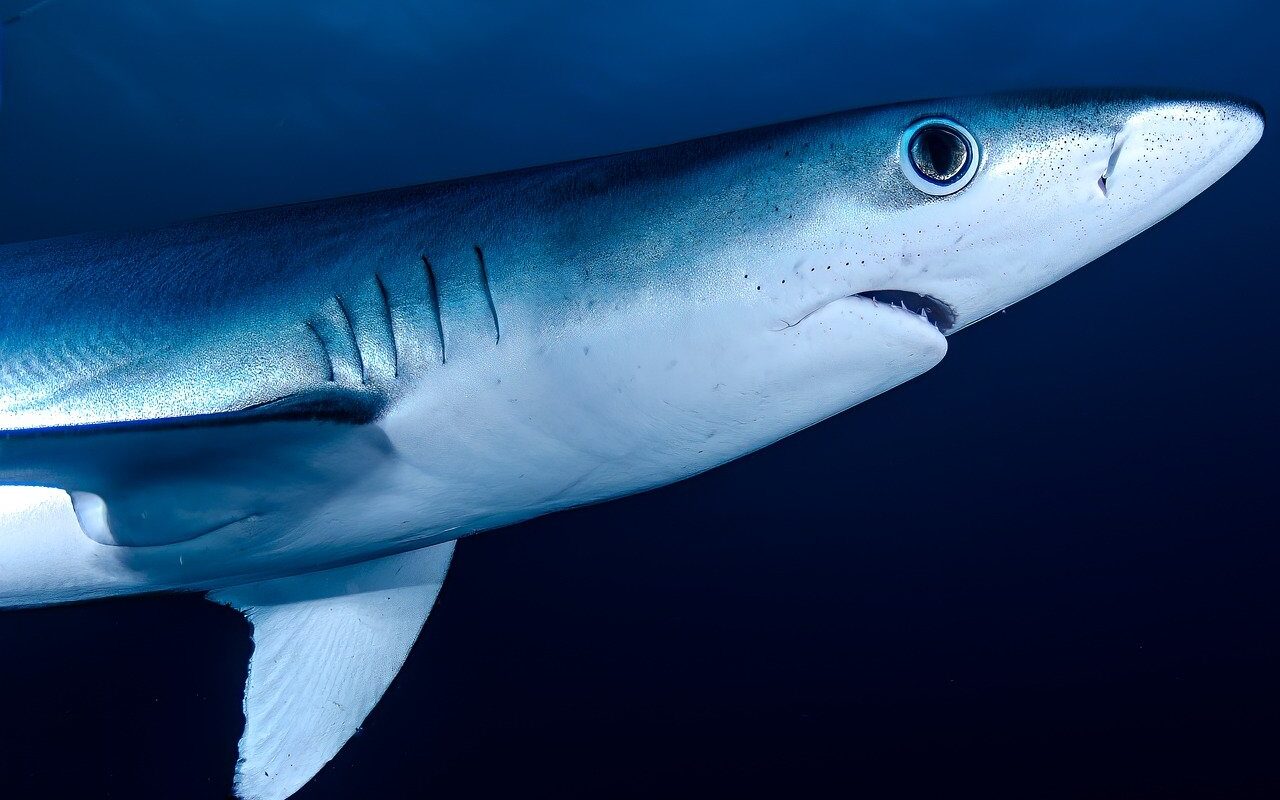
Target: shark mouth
point(933, 310)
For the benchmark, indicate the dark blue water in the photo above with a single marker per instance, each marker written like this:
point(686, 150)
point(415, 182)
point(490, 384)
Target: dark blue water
point(1046, 569)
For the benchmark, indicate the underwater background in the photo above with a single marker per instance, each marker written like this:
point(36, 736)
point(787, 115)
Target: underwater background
point(1048, 568)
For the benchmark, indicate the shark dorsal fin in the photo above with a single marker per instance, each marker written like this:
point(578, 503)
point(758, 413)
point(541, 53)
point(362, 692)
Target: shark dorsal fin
point(326, 646)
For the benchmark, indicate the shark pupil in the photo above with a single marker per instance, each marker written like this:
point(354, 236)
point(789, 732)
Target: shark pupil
point(939, 154)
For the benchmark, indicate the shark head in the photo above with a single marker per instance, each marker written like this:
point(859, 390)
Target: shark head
point(852, 245)
point(983, 202)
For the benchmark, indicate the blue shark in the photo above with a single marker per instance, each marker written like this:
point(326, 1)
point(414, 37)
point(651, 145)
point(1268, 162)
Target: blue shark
point(299, 410)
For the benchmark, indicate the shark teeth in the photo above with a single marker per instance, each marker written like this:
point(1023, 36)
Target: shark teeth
point(930, 309)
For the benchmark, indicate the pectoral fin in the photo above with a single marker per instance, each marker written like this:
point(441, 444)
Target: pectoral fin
point(326, 646)
point(158, 482)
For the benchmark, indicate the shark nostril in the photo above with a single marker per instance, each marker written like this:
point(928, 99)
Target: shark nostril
point(1117, 144)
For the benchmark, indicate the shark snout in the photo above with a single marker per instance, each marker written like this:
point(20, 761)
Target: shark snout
point(1091, 173)
point(1166, 152)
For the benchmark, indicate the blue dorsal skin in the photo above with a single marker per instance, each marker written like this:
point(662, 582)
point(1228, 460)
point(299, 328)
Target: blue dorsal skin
point(260, 398)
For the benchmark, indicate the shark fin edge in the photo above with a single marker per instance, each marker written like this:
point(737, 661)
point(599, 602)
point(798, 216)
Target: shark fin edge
point(326, 647)
point(152, 485)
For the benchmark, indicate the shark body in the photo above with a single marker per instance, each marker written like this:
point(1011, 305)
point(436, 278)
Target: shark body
point(298, 410)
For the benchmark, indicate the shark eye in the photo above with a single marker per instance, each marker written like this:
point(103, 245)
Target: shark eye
point(938, 156)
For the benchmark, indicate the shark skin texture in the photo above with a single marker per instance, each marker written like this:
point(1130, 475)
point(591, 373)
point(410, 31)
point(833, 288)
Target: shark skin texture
point(298, 410)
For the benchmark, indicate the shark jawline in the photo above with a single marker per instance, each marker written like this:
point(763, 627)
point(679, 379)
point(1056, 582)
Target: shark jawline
point(939, 314)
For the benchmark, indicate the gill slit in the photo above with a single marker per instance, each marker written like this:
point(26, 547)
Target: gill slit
point(488, 294)
point(328, 356)
point(434, 290)
point(355, 341)
point(391, 325)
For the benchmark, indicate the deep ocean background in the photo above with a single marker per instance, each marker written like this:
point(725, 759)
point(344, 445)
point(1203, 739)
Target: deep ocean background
point(1046, 569)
